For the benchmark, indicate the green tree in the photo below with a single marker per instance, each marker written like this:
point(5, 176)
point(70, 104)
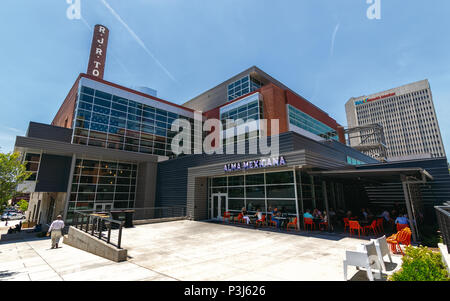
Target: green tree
point(12, 173)
point(23, 205)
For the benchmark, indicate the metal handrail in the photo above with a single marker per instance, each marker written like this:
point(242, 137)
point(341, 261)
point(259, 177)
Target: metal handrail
point(95, 226)
point(148, 212)
point(443, 217)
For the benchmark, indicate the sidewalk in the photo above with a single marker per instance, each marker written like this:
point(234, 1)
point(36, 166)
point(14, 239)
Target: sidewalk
point(34, 261)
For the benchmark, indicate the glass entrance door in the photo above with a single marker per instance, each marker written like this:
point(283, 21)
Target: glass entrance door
point(219, 205)
point(103, 207)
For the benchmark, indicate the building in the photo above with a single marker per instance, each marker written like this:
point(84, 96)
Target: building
point(109, 148)
point(408, 117)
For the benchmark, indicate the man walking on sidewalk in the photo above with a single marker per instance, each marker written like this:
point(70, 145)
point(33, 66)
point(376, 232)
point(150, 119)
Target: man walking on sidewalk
point(56, 230)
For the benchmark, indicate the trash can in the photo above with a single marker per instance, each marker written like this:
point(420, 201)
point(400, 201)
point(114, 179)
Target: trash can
point(128, 218)
point(115, 215)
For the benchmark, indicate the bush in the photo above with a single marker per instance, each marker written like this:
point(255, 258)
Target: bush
point(23, 205)
point(421, 264)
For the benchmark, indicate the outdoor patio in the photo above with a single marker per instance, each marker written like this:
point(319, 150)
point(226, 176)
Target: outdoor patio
point(188, 250)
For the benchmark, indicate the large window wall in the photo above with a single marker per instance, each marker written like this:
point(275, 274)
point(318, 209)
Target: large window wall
point(242, 86)
point(109, 121)
point(310, 124)
point(102, 183)
point(263, 191)
point(32, 162)
point(247, 109)
point(269, 190)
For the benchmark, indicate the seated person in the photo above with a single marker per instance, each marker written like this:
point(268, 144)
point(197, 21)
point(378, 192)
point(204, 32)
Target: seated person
point(307, 214)
point(386, 215)
point(324, 220)
point(258, 214)
point(316, 213)
point(275, 218)
point(402, 219)
point(245, 215)
point(364, 214)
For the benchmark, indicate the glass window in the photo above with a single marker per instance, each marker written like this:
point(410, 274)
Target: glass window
point(253, 205)
point(236, 192)
point(103, 95)
point(281, 191)
point(279, 177)
point(87, 90)
point(219, 181)
point(255, 179)
point(236, 204)
point(255, 191)
point(236, 181)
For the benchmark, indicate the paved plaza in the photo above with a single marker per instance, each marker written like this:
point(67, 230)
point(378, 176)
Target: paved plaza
point(187, 250)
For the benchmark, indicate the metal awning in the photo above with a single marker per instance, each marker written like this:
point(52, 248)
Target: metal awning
point(380, 175)
point(405, 176)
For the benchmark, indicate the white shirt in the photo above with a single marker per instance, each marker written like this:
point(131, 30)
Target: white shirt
point(56, 225)
point(386, 216)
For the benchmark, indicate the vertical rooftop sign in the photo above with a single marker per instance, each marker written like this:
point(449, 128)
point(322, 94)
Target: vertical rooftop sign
point(97, 59)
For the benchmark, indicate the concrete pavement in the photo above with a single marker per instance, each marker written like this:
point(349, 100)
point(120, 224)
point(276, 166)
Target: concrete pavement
point(186, 250)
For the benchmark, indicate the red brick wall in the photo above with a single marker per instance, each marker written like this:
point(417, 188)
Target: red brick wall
point(274, 103)
point(65, 114)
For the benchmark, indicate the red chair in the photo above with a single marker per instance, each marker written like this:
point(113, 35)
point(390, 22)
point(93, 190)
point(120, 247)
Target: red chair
point(272, 222)
point(261, 221)
point(226, 215)
point(400, 227)
point(380, 227)
point(401, 237)
point(292, 224)
point(346, 225)
point(309, 221)
point(353, 226)
point(324, 225)
point(240, 218)
point(373, 227)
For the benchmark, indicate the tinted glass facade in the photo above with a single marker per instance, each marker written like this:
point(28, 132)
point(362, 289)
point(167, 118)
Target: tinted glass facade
point(247, 109)
point(270, 190)
point(310, 124)
point(242, 86)
point(109, 121)
point(252, 110)
point(103, 183)
point(32, 162)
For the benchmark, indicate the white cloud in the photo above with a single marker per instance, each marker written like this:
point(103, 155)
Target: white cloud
point(333, 38)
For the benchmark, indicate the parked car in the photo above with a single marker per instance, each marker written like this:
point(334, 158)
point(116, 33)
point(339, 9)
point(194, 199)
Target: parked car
point(12, 216)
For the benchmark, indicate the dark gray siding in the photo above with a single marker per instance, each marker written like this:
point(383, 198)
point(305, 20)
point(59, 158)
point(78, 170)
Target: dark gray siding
point(53, 173)
point(49, 132)
point(434, 193)
point(329, 148)
point(172, 175)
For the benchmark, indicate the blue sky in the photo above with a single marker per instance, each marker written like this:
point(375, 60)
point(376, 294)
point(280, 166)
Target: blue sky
point(325, 50)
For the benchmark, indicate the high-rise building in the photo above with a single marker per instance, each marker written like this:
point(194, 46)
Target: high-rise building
point(408, 117)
